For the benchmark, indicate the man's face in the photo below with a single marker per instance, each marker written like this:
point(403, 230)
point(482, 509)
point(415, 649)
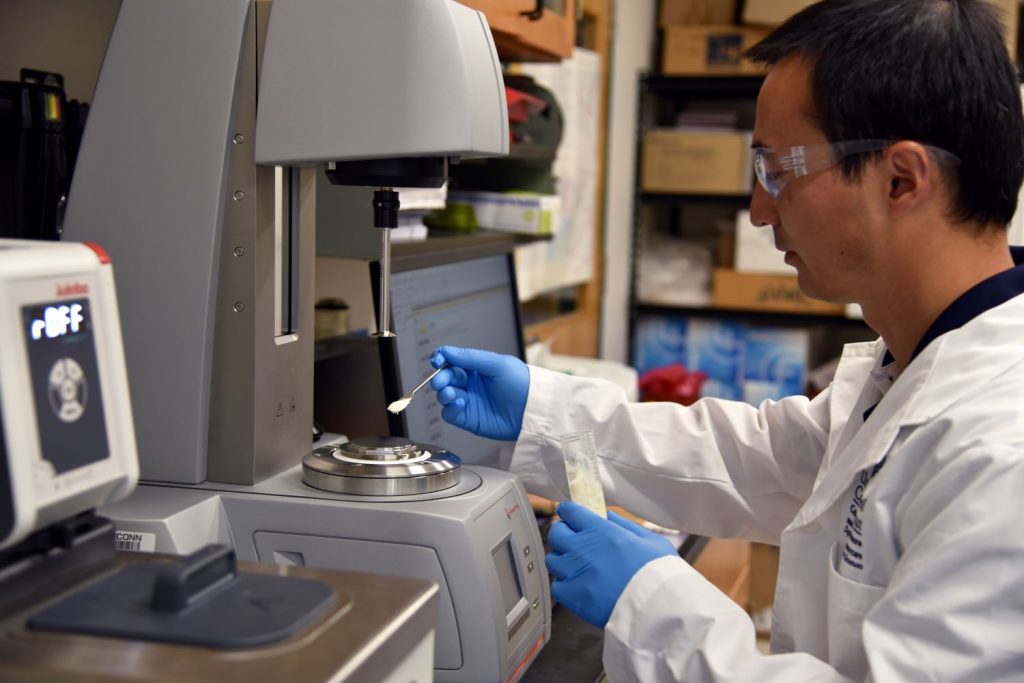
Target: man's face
point(827, 226)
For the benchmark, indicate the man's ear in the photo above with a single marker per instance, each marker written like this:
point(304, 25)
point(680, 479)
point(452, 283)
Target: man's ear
point(912, 177)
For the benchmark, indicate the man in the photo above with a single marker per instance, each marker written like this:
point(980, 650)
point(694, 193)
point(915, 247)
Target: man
point(889, 149)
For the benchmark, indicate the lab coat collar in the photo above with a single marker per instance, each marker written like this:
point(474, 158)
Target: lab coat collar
point(852, 392)
point(976, 335)
point(950, 368)
point(965, 358)
point(985, 295)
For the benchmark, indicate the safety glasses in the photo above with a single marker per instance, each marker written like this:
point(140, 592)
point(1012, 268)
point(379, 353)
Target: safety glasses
point(775, 168)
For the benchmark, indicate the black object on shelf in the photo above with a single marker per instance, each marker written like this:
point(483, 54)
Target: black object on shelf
point(772, 318)
point(720, 87)
point(34, 171)
point(738, 200)
point(534, 143)
point(441, 232)
point(531, 152)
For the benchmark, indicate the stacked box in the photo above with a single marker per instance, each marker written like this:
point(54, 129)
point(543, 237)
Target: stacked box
point(760, 292)
point(755, 250)
point(710, 50)
point(701, 12)
point(516, 212)
point(660, 341)
point(772, 12)
point(708, 161)
point(700, 38)
point(742, 362)
point(716, 348)
point(774, 363)
point(764, 572)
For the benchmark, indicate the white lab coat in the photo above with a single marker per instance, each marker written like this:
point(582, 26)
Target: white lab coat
point(939, 592)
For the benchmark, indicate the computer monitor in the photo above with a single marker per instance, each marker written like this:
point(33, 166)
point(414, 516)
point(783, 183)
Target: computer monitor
point(464, 296)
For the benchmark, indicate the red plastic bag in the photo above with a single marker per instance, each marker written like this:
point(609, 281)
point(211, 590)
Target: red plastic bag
point(671, 383)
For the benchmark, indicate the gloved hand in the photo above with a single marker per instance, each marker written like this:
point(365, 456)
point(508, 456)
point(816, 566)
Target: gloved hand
point(592, 559)
point(481, 391)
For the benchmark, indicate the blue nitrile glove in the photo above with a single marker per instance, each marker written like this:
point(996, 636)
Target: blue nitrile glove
point(592, 559)
point(481, 391)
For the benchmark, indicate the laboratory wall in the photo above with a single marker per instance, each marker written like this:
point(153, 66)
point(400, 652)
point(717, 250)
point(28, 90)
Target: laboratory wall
point(64, 36)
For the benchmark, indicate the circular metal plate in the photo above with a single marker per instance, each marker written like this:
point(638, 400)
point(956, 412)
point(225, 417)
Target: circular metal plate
point(374, 448)
point(333, 468)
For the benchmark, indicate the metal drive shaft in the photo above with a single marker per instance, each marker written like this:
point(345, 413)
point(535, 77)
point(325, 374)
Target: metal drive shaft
point(385, 217)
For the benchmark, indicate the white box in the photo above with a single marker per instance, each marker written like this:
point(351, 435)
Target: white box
point(519, 213)
point(755, 249)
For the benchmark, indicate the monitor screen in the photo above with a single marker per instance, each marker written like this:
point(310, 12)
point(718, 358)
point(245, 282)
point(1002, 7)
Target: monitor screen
point(472, 303)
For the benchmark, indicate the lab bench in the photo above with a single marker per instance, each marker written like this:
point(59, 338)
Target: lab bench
point(573, 655)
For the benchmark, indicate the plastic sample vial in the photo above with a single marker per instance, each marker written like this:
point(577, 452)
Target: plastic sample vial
point(581, 470)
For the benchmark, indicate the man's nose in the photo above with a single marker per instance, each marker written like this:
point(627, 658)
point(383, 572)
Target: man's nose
point(763, 211)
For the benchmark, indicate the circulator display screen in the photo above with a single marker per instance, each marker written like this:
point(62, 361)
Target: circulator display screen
point(65, 383)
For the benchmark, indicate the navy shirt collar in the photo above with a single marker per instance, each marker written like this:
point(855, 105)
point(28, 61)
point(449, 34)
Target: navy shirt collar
point(987, 294)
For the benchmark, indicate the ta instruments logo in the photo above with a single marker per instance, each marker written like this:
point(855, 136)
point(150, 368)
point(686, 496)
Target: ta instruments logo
point(512, 510)
point(72, 289)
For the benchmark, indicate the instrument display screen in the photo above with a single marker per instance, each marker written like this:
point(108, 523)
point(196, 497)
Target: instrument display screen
point(508, 577)
point(65, 383)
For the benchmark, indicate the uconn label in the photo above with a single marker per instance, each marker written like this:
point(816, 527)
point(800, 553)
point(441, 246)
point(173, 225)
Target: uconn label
point(853, 529)
point(135, 541)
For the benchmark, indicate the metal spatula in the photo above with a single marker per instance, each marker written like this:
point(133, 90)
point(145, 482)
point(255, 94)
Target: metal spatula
point(398, 406)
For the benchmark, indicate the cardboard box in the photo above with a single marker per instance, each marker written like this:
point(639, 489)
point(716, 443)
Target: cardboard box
point(1010, 10)
point(697, 12)
point(773, 293)
point(775, 12)
point(706, 162)
point(771, 12)
point(755, 249)
point(764, 573)
point(709, 50)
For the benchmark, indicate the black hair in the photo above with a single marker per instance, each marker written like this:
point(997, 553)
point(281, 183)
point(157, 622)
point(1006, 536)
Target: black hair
point(934, 71)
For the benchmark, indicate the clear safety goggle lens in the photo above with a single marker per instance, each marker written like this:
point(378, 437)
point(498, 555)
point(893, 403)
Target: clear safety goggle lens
point(775, 168)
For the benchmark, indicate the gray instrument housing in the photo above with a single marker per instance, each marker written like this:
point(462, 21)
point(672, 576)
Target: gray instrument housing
point(447, 537)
